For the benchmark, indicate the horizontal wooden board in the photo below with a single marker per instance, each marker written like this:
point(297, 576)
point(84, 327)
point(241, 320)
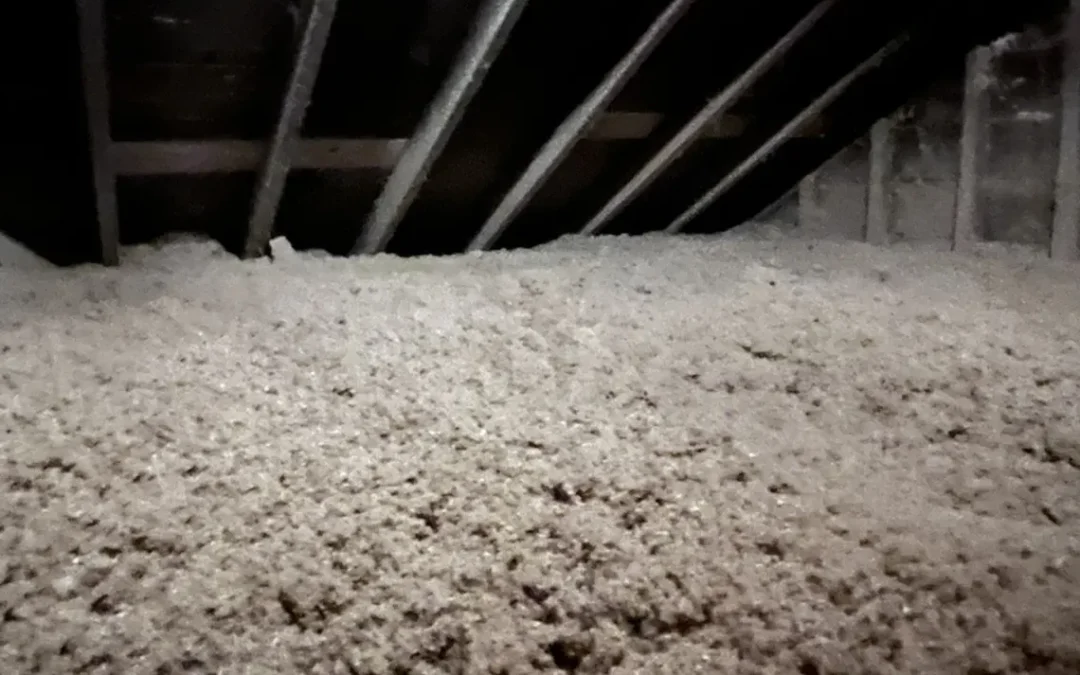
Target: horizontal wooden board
point(156, 158)
point(150, 158)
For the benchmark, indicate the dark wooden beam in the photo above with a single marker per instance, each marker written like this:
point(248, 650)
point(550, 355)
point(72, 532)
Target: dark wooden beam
point(95, 80)
point(159, 158)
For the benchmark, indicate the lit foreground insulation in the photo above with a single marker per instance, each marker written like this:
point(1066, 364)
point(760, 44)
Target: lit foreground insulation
point(744, 454)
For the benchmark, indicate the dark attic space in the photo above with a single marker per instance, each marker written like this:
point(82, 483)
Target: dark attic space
point(195, 87)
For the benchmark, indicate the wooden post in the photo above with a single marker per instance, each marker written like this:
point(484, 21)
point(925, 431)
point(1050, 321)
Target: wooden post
point(808, 201)
point(968, 225)
point(95, 80)
point(1065, 235)
point(878, 192)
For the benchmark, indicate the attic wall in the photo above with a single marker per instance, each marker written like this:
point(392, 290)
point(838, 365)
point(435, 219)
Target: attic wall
point(1017, 178)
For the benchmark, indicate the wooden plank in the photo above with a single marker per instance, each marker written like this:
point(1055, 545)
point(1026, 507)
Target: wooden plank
point(441, 119)
point(879, 190)
point(95, 80)
point(692, 131)
point(786, 133)
point(275, 168)
point(1065, 235)
point(160, 158)
point(968, 226)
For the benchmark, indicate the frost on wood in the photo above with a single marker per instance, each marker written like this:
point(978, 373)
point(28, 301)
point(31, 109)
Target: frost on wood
point(607, 456)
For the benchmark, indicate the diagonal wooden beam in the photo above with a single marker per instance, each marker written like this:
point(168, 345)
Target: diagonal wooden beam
point(95, 80)
point(693, 129)
point(441, 119)
point(575, 126)
point(786, 133)
point(279, 156)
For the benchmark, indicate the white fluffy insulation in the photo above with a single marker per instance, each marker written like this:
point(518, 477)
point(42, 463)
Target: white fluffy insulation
point(657, 455)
